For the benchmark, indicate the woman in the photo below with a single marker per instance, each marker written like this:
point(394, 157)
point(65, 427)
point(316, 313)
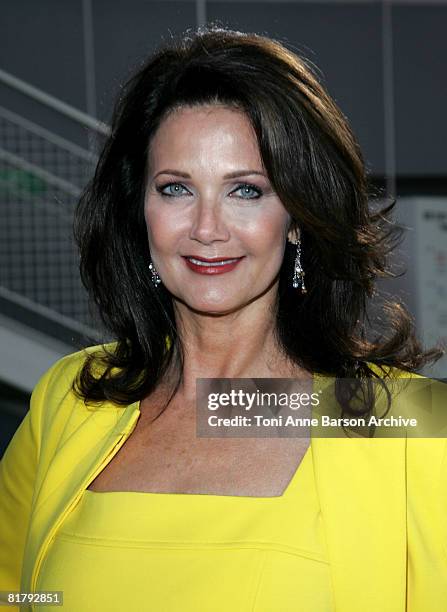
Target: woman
point(226, 234)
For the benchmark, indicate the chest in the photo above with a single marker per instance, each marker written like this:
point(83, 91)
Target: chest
point(166, 456)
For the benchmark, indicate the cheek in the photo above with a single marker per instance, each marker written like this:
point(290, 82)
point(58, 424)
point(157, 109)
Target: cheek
point(162, 226)
point(267, 234)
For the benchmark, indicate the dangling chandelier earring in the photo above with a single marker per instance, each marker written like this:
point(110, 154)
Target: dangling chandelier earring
point(155, 278)
point(298, 272)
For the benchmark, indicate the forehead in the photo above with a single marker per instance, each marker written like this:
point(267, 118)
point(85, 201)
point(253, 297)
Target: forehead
point(197, 112)
point(217, 129)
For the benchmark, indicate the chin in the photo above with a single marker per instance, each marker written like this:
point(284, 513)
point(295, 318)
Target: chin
point(218, 305)
point(212, 309)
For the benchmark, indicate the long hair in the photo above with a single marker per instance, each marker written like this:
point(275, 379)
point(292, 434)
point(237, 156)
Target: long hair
point(316, 168)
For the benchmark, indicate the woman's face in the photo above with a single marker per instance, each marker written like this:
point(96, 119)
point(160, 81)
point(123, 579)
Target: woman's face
point(209, 197)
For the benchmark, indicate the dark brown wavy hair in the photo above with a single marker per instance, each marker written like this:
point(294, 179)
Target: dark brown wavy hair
point(315, 166)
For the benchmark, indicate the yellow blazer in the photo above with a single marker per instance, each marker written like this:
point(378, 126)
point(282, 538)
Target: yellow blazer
point(61, 445)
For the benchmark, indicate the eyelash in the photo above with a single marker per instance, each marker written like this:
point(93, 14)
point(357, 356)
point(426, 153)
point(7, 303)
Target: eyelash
point(259, 191)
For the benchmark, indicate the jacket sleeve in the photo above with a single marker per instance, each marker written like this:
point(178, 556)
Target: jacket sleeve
point(18, 469)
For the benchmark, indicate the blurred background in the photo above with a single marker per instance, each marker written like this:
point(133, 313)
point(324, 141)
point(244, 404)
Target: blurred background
point(61, 66)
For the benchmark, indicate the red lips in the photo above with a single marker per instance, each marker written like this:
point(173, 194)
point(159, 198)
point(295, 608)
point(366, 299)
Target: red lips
point(212, 259)
point(216, 266)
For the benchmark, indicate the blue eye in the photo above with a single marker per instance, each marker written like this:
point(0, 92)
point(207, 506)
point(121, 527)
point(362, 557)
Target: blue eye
point(250, 192)
point(246, 187)
point(176, 192)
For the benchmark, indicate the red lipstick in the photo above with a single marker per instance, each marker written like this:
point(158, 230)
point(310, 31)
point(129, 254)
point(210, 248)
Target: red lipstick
point(215, 265)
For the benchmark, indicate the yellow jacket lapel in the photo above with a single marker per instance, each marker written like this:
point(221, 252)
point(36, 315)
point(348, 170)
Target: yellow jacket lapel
point(70, 470)
point(361, 487)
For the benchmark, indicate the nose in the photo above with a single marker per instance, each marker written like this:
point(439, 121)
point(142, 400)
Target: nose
point(208, 223)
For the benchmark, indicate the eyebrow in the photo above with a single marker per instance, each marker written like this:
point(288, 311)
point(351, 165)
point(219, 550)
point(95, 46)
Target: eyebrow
point(226, 176)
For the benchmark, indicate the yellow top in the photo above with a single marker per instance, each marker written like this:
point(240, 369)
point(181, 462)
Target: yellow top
point(191, 552)
point(361, 525)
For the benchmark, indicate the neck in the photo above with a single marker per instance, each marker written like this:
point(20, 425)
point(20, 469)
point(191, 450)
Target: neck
point(240, 344)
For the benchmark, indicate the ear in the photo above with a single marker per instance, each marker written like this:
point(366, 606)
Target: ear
point(293, 234)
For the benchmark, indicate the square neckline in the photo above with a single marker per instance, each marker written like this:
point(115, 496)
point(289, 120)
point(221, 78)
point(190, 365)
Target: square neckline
point(174, 494)
point(136, 407)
